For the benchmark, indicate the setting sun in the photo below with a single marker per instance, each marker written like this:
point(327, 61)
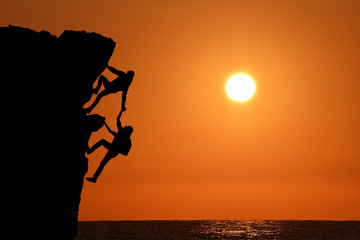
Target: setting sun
point(240, 87)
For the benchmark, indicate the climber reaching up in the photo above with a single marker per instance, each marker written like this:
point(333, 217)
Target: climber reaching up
point(121, 83)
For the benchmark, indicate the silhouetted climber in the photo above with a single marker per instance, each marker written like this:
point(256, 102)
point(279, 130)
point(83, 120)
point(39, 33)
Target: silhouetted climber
point(121, 83)
point(120, 144)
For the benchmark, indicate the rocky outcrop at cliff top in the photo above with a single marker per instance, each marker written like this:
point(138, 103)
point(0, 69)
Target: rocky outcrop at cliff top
point(45, 82)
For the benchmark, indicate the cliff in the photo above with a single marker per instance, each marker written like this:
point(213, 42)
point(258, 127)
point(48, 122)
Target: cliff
point(46, 80)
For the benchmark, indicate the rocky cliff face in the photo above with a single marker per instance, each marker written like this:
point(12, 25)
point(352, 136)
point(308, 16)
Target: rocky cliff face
point(46, 80)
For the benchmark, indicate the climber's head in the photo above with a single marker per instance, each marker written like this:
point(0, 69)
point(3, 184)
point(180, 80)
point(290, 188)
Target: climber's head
point(130, 74)
point(129, 130)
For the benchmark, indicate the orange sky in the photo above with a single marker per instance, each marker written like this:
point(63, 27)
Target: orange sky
point(291, 152)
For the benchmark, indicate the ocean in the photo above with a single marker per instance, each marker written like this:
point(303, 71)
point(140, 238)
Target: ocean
point(213, 229)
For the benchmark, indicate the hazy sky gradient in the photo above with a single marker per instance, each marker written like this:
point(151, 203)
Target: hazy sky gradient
point(291, 152)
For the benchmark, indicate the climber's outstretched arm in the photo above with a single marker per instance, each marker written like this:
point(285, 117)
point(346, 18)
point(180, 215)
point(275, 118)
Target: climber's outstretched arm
point(123, 100)
point(118, 122)
point(109, 129)
point(115, 71)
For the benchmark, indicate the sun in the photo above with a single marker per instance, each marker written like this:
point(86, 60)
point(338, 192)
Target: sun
point(240, 87)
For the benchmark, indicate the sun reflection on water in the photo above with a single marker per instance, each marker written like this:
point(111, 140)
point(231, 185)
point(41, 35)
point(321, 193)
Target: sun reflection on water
point(255, 229)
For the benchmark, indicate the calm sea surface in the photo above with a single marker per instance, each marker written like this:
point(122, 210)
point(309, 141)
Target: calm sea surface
point(204, 229)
